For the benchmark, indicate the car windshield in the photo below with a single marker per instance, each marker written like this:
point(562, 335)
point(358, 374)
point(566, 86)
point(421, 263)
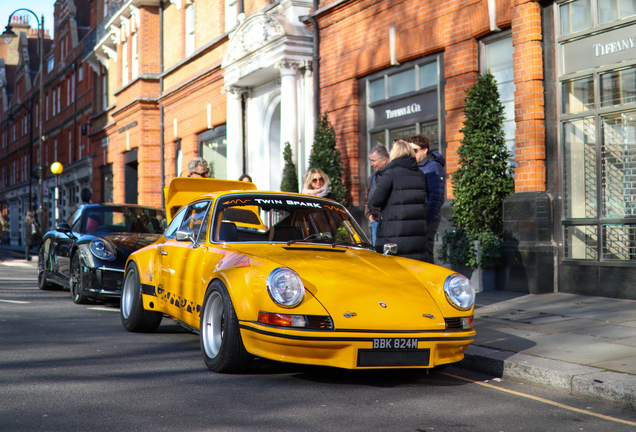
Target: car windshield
point(286, 219)
point(110, 219)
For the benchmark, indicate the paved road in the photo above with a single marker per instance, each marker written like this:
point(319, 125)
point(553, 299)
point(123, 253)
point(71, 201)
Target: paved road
point(65, 367)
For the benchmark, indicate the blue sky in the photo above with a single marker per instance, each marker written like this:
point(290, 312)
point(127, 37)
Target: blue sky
point(40, 7)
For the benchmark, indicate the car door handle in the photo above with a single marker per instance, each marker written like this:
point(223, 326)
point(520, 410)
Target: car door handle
point(163, 252)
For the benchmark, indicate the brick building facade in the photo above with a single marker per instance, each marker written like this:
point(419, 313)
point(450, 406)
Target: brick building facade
point(232, 81)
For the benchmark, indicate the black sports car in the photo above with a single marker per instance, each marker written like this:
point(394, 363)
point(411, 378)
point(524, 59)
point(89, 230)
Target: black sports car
point(88, 253)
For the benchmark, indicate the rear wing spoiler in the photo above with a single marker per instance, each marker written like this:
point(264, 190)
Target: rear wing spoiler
point(183, 190)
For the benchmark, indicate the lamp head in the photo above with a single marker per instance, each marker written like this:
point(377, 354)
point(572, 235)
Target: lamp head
point(57, 168)
point(9, 34)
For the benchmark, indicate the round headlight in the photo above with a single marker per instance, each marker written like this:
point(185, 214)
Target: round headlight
point(102, 250)
point(459, 291)
point(285, 287)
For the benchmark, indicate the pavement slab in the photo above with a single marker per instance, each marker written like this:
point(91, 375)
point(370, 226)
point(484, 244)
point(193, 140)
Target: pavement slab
point(580, 345)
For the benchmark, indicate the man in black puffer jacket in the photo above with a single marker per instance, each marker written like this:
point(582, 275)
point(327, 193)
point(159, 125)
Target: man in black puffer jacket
point(401, 196)
point(432, 164)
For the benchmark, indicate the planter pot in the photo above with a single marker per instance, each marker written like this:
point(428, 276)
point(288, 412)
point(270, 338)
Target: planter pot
point(481, 279)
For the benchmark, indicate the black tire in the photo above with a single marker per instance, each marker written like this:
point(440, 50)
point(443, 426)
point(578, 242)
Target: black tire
point(221, 343)
point(133, 315)
point(76, 281)
point(43, 284)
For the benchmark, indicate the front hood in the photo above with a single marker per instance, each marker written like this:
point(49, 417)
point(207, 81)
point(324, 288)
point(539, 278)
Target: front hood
point(127, 243)
point(378, 289)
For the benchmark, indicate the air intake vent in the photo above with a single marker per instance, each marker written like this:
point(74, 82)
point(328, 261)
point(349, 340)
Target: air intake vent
point(319, 322)
point(453, 323)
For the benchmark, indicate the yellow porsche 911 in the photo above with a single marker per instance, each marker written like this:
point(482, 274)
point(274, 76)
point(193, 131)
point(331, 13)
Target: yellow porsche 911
point(292, 278)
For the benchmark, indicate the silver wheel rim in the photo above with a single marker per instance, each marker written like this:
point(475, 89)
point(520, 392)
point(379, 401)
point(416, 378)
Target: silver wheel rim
point(213, 321)
point(128, 294)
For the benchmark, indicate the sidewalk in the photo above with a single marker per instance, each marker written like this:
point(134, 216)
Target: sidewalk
point(580, 345)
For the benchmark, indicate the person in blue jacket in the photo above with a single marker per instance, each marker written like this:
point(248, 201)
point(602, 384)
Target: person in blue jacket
point(433, 165)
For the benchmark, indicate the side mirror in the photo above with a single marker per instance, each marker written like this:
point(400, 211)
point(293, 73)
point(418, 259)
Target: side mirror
point(182, 235)
point(390, 249)
point(63, 227)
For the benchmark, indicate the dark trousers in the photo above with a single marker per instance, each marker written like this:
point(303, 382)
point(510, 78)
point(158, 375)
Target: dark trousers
point(432, 230)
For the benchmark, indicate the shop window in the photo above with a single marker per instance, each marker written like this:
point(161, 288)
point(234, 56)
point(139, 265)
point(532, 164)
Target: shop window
point(403, 82)
point(376, 90)
point(580, 169)
point(107, 183)
point(428, 75)
point(213, 148)
point(581, 242)
point(619, 242)
point(618, 165)
point(575, 16)
point(402, 133)
point(612, 10)
point(189, 29)
point(618, 87)
point(497, 59)
point(578, 95)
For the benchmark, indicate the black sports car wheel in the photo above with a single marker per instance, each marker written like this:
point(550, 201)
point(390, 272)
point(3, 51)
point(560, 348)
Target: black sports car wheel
point(43, 284)
point(221, 343)
point(75, 282)
point(133, 315)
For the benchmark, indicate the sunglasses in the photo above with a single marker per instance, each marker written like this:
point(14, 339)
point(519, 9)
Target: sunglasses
point(318, 179)
point(203, 174)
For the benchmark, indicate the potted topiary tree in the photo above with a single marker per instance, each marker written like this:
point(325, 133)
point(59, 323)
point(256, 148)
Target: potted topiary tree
point(289, 183)
point(326, 156)
point(480, 184)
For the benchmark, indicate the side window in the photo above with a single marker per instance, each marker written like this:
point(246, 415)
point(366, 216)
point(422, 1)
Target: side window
point(194, 216)
point(175, 223)
point(204, 228)
point(74, 220)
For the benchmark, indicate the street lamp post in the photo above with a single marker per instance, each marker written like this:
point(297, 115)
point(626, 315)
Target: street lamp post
point(57, 168)
point(8, 36)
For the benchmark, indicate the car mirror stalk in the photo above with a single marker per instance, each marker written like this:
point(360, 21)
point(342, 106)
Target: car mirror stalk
point(390, 249)
point(182, 235)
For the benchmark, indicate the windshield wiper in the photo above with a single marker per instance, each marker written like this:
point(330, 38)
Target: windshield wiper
point(350, 243)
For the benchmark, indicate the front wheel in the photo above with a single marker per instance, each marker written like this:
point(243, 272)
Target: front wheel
point(221, 343)
point(43, 284)
point(76, 281)
point(133, 315)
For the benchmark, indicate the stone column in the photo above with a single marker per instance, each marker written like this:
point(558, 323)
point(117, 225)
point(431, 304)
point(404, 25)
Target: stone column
point(234, 124)
point(308, 119)
point(289, 106)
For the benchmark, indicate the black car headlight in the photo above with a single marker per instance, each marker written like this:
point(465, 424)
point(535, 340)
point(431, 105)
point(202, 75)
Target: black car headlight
point(102, 249)
point(285, 287)
point(459, 291)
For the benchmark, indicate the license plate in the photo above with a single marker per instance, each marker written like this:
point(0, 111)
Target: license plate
point(395, 343)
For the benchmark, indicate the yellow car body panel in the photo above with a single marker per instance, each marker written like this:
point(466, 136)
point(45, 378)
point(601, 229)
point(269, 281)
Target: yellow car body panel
point(368, 297)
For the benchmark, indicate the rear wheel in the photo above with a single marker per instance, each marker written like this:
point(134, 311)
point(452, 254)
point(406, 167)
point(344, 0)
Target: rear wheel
point(76, 281)
point(221, 343)
point(43, 284)
point(133, 315)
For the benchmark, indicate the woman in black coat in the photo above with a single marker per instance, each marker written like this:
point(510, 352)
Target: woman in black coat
point(401, 196)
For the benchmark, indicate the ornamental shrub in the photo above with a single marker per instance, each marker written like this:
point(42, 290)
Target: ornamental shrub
point(326, 156)
point(483, 179)
point(289, 182)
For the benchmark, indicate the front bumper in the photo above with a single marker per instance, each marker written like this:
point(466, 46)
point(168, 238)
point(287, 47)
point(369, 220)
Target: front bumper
point(103, 282)
point(354, 349)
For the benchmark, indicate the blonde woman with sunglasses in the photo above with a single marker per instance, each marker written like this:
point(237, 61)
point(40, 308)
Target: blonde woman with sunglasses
point(317, 183)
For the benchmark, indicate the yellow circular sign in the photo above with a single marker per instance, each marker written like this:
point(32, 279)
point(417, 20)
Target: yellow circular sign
point(57, 168)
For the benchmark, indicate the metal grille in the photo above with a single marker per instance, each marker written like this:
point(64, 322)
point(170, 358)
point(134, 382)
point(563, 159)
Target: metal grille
point(618, 166)
point(319, 322)
point(453, 323)
point(388, 358)
point(619, 242)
